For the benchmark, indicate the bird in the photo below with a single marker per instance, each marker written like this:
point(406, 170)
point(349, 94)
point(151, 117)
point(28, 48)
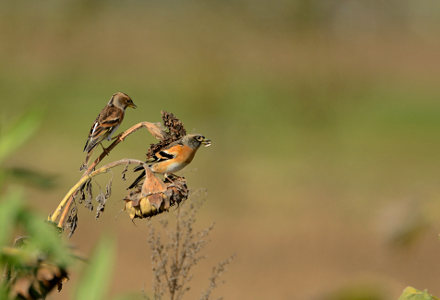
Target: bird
point(173, 157)
point(108, 120)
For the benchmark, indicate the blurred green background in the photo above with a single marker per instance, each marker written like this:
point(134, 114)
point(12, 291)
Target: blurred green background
point(324, 116)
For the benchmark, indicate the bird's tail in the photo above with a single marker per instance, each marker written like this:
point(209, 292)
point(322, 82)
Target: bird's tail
point(139, 178)
point(85, 147)
point(138, 168)
point(90, 144)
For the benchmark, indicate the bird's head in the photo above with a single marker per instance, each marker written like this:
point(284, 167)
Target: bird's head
point(122, 101)
point(196, 140)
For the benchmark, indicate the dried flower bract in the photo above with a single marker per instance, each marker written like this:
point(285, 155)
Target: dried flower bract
point(175, 131)
point(155, 196)
point(41, 279)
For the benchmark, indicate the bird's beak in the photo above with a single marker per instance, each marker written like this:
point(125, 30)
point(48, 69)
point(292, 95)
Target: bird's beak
point(206, 142)
point(132, 105)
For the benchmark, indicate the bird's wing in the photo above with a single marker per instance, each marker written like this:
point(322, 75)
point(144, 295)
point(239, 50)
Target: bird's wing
point(109, 118)
point(166, 153)
point(169, 152)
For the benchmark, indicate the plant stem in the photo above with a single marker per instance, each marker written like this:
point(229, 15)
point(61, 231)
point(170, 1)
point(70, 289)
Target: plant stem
point(86, 177)
point(153, 128)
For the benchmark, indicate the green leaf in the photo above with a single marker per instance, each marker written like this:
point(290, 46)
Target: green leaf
point(357, 291)
point(4, 292)
point(45, 238)
point(411, 293)
point(10, 208)
point(96, 278)
point(16, 135)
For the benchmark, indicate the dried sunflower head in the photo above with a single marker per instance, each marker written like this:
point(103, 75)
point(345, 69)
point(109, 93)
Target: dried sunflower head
point(38, 284)
point(155, 196)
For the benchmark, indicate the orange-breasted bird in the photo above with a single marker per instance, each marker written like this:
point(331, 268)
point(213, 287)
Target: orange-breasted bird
point(174, 157)
point(108, 120)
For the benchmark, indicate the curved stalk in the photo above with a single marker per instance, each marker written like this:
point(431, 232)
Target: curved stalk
point(154, 128)
point(103, 169)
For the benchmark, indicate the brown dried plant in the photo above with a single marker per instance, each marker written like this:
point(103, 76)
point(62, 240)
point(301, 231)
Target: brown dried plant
point(154, 197)
point(39, 284)
point(176, 250)
point(173, 259)
point(175, 131)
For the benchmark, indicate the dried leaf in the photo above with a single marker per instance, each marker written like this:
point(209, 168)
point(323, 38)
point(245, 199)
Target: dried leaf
point(152, 184)
point(21, 288)
point(46, 274)
point(175, 127)
point(124, 172)
point(82, 194)
point(153, 189)
point(49, 276)
point(134, 196)
point(156, 200)
point(89, 195)
point(61, 282)
point(157, 130)
point(155, 196)
point(101, 199)
point(175, 131)
point(166, 203)
point(130, 209)
point(177, 190)
point(108, 189)
point(72, 221)
point(37, 286)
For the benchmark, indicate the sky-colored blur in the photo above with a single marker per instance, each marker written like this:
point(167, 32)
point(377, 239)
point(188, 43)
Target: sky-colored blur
point(323, 176)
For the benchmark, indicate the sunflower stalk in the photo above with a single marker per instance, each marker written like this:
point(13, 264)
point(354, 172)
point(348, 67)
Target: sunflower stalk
point(64, 206)
point(104, 169)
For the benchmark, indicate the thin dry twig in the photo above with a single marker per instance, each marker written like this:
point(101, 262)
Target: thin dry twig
point(174, 259)
point(154, 128)
point(217, 271)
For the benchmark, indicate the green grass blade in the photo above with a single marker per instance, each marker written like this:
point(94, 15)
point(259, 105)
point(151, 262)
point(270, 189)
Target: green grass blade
point(17, 134)
point(10, 208)
point(46, 238)
point(97, 275)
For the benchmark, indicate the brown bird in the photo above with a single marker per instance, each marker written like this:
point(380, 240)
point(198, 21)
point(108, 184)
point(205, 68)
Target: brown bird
point(174, 157)
point(108, 120)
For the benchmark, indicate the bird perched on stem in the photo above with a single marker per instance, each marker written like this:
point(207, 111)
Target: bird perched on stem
point(174, 157)
point(108, 121)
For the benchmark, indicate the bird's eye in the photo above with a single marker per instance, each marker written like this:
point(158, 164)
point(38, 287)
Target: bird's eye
point(200, 138)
